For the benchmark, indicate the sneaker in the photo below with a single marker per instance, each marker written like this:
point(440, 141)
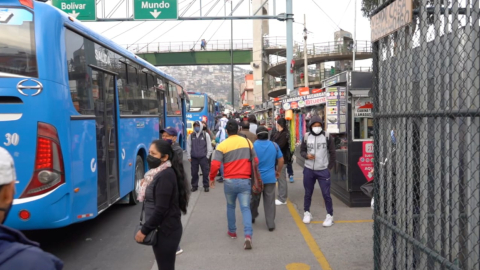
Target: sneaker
point(277, 202)
point(206, 189)
point(307, 217)
point(232, 235)
point(328, 221)
point(248, 242)
point(179, 251)
point(291, 179)
point(194, 189)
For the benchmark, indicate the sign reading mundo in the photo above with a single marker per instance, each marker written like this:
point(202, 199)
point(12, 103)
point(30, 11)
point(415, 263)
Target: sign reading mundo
point(155, 9)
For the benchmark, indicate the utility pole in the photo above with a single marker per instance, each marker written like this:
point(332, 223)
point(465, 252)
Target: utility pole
point(231, 53)
point(289, 19)
point(354, 35)
point(305, 73)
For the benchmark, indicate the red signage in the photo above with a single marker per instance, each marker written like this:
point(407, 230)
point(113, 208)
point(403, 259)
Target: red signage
point(317, 90)
point(303, 91)
point(365, 162)
point(294, 105)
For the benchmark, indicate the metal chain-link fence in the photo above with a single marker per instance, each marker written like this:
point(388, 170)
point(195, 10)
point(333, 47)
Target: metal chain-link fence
point(426, 124)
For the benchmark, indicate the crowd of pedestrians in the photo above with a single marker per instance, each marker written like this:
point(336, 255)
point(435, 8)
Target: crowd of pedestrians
point(233, 151)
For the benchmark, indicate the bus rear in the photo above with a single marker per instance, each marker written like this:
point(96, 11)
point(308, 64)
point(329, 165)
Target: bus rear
point(27, 112)
point(202, 108)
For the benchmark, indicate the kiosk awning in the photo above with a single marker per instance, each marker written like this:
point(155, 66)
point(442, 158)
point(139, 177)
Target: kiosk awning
point(360, 93)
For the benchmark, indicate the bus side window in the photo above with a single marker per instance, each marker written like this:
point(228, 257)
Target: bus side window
point(133, 88)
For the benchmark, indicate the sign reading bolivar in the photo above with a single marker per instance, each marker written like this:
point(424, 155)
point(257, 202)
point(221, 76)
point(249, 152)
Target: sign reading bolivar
point(155, 9)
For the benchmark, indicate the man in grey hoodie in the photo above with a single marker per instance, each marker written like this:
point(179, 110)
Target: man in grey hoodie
point(318, 149)
point(199, 149)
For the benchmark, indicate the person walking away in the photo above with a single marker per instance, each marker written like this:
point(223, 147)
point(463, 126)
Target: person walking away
point(170, 135)
point(16, 250)
point(220, 137)
point(270, 158)
point(165, 198)
point(203, 45)
point(319, 153)
point(246, 131)
point(281, 138)
point(235, 153)
point(253, 123)
point(199, 149)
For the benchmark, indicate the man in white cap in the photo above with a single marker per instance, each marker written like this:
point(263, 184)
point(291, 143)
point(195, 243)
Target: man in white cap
point(16, 251)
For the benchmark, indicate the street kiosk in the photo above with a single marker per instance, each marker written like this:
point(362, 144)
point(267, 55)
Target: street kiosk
point(346, 109)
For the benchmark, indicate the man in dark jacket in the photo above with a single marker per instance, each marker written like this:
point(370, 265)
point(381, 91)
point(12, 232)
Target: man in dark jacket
point(199, 150)
point(246, 131)
point(16, 251)
point(170, 135)
point(318, 149)
point(281, 138)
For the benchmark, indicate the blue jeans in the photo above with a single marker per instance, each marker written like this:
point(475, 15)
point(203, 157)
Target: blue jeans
point(241, 189)
point(289, 169)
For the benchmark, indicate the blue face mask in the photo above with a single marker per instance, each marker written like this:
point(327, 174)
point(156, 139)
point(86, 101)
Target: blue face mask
point(197, 129)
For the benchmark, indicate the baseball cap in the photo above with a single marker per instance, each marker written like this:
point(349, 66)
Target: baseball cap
point(7, 167)
point(170, 131)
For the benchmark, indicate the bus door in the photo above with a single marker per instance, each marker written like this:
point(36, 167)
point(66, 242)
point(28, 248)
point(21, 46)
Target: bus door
point(103, 89)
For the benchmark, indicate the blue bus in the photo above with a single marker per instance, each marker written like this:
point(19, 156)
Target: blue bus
point(77, 113)
point(202, 108)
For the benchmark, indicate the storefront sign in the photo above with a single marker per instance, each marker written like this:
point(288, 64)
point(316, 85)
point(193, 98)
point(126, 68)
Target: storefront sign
point(302, 101)
point(331, 81)
point(336, 110)
point(365, 162)
point(317, 90)
point(363, 107)
point(390, 19)
point(303, 91)
point(315, 101)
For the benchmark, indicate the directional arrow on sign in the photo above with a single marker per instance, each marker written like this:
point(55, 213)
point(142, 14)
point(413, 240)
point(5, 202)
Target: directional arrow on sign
point(155, 13)
point(74, 14)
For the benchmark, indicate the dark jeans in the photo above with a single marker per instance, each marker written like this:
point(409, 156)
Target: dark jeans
point(309, 179)
point(289, 169)
point(166, 248)
point(202, 162)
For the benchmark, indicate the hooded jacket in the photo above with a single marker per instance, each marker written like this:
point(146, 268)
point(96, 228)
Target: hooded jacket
point(199, 144)
point(17, 252)
point(222, 133)
point(319, 145)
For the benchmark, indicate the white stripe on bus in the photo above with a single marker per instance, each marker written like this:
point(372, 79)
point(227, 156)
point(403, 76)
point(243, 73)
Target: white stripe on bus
point(10, 116)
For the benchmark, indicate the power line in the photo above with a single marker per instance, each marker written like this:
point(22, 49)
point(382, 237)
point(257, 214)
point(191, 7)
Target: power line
point(341, 18)
point(128, 29)
point(206, 29)
point(326, 14)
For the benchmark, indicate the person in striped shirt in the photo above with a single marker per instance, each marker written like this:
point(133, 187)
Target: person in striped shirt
point(235, 153)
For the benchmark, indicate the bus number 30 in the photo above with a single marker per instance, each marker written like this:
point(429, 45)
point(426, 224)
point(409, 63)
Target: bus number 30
point(12, 139)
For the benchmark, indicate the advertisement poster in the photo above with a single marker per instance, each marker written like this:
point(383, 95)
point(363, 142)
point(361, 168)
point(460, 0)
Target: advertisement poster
point(336, 109)
point(363, 107)
point(304, 101)
point(365, 162)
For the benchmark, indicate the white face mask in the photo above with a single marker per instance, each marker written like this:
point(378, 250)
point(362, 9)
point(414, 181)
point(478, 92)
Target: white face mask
point(317, 130)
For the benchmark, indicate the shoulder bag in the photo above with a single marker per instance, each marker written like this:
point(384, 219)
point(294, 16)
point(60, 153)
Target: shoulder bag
point(256, 179)
point(151, 238)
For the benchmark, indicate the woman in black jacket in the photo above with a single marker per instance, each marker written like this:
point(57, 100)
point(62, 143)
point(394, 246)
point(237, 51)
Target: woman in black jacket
point(165, 198)
point(281, 138)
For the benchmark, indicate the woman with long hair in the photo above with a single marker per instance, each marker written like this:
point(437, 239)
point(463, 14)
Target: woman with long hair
point(165, 198)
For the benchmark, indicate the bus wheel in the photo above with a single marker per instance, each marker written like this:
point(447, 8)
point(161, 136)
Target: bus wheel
point(139, 173)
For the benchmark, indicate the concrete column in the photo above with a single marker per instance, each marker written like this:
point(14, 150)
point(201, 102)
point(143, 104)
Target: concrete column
point(260, 61)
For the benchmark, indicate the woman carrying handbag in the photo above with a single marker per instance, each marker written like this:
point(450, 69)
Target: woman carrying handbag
point(165, 198)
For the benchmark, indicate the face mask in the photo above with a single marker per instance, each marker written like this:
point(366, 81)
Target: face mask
point(317, 130)
point(153, 162)
point(169, 141)
point(197, 129)
point(6, 210)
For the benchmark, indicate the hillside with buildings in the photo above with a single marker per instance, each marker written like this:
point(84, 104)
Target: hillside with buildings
point(214, 80)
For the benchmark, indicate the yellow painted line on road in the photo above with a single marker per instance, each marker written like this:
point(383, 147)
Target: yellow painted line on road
point(314, 248)
point(297, 266)
point(345, 221)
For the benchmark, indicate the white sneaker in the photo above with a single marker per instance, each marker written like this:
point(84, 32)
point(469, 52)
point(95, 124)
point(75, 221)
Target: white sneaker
point(307, 217)
point(328, 221)
point(277, 202)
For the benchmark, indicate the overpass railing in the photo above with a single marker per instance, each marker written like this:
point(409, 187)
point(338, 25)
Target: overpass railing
point(184, 46)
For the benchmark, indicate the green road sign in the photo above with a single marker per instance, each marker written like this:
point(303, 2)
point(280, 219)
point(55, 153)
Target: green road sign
point(82, 10)
point(155, 9)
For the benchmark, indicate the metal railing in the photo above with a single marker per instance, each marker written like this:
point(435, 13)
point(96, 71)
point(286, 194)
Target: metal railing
point(183, 46)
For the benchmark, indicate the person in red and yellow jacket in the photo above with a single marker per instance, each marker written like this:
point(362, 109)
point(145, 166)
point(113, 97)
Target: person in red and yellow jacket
point(235, 153)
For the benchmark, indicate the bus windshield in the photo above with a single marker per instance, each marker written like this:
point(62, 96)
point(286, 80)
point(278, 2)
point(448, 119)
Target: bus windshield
point(197, 102)
point(17, 43)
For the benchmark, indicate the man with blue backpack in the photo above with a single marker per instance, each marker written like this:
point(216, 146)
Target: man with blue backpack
point(271, 156)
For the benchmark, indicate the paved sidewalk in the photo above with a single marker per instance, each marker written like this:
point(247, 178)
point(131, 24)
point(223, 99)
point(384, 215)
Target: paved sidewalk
point(292, 246)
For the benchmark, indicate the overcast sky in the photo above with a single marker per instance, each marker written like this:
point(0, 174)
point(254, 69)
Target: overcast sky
point(319, 24)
